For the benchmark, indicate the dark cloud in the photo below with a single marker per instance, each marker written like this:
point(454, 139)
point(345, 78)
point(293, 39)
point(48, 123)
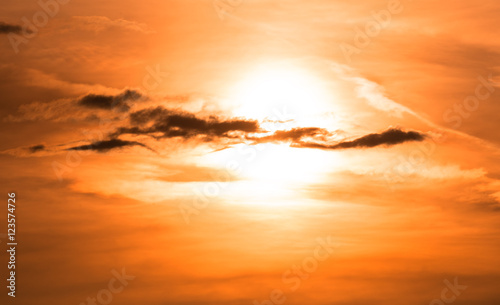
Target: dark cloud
point(160, 123)
point(163, 123)
point(389, 137)
point(104, 146)
point(36, 148)
point(6, 28)
point(147, 115)
point(108, 102)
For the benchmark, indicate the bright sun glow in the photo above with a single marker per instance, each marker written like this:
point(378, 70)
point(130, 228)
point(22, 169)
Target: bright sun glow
point(273, 170)
point(281, 98)
point(280, 93)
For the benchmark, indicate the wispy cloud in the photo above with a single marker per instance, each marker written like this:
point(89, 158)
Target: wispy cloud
point(80, 108)
point(372, 92)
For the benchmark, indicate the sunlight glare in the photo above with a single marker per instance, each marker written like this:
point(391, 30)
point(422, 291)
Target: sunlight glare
point(282, 93)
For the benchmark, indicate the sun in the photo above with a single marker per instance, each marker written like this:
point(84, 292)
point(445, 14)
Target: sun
point(279, 93)
point(271, 171)
point(280, 97)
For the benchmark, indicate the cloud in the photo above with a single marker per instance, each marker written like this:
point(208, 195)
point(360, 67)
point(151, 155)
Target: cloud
point(36, 148)
point(372, 92)
point(313, 137)
point(17, 78)
point(295, 135)
point(39, 150)
point(389, 137)
point(109, 102)
point(75, 109)
point(104, 146)
point(163, 123)
point(147, 115)
point(6, 28)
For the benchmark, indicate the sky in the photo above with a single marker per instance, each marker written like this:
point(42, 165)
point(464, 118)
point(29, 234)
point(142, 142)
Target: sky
point(251, 152)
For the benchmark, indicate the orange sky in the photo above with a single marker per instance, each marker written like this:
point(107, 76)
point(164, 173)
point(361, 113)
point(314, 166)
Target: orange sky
point(252, 152)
